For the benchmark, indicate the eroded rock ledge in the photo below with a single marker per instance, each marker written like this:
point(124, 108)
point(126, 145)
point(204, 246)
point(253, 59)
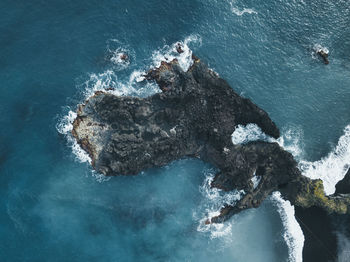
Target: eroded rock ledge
point(194, 116)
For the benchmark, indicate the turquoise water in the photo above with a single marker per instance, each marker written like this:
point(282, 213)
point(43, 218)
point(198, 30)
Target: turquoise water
point(54, 208)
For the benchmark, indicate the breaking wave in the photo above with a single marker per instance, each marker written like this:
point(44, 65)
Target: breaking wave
point(168, 53)
point(293, 235)
point(65, 127)
point(215, 199)
point(133, 85)
point(119, 55)
point(290, 141)
point(318, 48)
point(333, 167)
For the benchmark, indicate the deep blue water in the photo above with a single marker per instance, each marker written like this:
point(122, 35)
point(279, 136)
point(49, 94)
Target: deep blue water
point(52, 208)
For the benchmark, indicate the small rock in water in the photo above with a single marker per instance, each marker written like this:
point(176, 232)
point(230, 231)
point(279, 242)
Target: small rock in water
point(123, 57)
point(324, 55)
point(179, 48)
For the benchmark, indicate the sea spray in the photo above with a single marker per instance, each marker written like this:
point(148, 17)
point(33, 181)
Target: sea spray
point(65, 127)
point(293, 235)
point(134, 85)
point(256, 181)
point(333, 167)
point(318, 48)
point(290, 141)
point(119, 55)
point(108, 82)
point(215, 199)
point(169, 53)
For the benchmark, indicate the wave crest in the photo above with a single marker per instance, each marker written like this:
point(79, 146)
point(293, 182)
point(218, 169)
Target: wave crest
point(293, 235)
point(332, 168)
point(65, 127)
point(215, 199)
point(291, 139)
point(168, 53)
point(133, 85)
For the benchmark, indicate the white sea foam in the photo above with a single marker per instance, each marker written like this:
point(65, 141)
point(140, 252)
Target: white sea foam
point(330, 169)
point(293, 235)
point(134, 85)
point(242, 12)
point(239, 12)
point(137, 76)
point(65, 127)
point(291, 139)
point(255, 180)
point(317, 48)
point(168, 53)
point(115, 53)
point(250, 132)
point(120, 58)
point(215, 199)
point(333, 167)
point(108, 82)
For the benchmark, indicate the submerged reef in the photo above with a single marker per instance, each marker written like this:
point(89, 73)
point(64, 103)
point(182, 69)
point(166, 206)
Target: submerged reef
point(195, 116)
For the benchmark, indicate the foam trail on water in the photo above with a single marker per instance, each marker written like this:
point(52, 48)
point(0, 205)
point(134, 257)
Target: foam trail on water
point(333, 167)
point(238, 12)
point(215, 199)
point(242, 12)
point(293, 234)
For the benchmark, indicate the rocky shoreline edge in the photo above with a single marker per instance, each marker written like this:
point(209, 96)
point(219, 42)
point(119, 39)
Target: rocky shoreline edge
point(194, 116)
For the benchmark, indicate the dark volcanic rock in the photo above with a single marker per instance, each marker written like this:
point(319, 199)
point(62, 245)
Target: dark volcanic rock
point(193, 116)
point(324, 56)
point(320, 239)
point(343, 186)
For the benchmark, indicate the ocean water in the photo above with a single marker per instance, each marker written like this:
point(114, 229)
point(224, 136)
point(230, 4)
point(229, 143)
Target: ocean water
point(53, 207)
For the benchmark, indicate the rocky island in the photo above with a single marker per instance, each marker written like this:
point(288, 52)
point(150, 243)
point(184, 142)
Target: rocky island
point(194, 116)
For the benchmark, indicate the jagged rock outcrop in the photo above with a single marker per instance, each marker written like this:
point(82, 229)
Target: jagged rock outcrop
point(343, 186)
point(311, 193)
point(193, 116)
